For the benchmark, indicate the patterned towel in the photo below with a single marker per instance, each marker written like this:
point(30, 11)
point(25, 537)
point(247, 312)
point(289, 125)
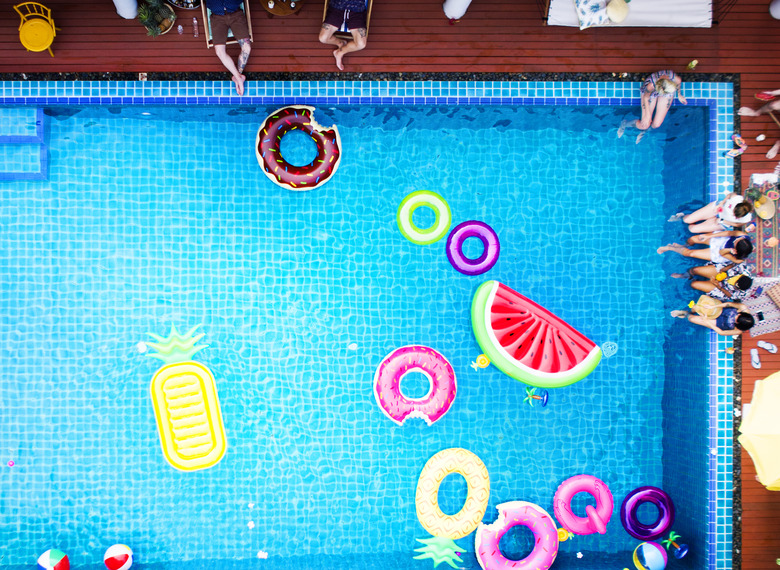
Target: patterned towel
point(765, 258)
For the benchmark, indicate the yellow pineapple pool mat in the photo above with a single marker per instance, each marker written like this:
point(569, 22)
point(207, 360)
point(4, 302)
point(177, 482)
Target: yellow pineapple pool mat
point(186, 405)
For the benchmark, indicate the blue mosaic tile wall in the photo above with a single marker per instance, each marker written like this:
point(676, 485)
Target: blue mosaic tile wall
point(715, 97)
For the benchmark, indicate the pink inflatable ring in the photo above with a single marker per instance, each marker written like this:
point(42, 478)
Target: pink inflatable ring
point(510, 515)
point(597, 518)
point(415, 358)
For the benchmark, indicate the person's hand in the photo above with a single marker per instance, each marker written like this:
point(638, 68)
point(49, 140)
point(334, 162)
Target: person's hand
point(681, 99)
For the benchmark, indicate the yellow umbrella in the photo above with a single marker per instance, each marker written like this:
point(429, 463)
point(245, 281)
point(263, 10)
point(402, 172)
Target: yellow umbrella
point(761, 431)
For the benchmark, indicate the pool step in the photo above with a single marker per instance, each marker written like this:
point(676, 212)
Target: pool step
point(23, 151)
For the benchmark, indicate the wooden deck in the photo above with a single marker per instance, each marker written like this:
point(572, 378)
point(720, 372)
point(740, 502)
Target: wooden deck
point(497, 36)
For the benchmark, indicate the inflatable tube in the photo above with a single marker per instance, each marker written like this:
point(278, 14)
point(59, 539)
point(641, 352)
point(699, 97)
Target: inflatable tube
point(631, 504)
point(510, 515)
point(489, 240)
point(281, 172)
point(597, 518)
point(415, 358)
point(447, 462)
point(440, 225)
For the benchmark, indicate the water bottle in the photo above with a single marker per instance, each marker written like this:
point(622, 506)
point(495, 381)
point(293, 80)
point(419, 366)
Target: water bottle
point(195, 27)
point(180, 29)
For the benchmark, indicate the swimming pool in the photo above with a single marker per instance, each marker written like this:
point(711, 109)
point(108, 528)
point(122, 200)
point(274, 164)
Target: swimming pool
point(158, 215)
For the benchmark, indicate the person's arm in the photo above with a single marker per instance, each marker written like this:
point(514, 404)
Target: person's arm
point(721, 288)
point(680, 98)
point(736, 305)
point(728, 253)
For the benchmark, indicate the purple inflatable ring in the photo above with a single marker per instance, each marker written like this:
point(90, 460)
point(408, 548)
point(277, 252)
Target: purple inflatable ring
point(630, 505)
point(489, 240)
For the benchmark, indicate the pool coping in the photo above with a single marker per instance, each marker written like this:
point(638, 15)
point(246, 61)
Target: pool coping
point(717, 96)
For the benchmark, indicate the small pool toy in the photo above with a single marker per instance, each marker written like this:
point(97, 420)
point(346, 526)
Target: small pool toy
point(473, 470)
point(53, 560)
point(631, 503)
point(597, 518)
point(680, 550)
point(415, 358)
point(490, 244)
point(741, 146)
point(186, 405)
point(531, 394)
point(439, 549)
point(118, 557)
point(527, 342)
point(512, 514)
point(441, 222)
point(650, 556)
point(281, 172)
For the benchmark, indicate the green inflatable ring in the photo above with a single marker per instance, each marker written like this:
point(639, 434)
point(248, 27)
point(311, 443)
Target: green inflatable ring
point(440, 225)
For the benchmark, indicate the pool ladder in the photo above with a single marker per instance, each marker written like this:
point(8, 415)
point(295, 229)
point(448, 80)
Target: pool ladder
point(23, 151)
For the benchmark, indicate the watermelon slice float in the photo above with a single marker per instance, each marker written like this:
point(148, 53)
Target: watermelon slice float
point(527, 342)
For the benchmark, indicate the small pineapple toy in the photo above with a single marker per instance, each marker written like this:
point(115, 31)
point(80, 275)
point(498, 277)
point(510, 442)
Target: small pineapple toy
point(186, 405)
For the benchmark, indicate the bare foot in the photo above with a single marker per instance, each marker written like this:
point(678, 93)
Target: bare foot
point(338, 55)
point(747, 111)
point(681, 275)
point(679, 314)
point(669, 247)
point(239, 81)
point(772, 152)
point(640, 136)
point(622, 128)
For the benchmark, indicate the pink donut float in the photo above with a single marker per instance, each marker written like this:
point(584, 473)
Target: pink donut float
point(415, 358)
point(597, 518)
point(510, 515)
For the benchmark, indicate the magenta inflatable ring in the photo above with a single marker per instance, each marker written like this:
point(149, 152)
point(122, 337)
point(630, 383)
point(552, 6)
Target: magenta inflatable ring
point(632, 502)
point(485, 234)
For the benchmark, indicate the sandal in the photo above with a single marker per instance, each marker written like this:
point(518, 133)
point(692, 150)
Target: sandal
point(768, 346)
point(754, 359)
point(764, 96)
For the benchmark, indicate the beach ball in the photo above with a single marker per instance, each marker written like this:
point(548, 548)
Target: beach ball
point(118, 557)
point(650, 556)
point(53, 560)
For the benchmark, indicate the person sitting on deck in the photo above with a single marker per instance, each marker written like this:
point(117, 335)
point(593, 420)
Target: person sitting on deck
point(660, 85)
point(730, 213)
point(772, 105)
point(227, 14)
point(725, 282)
point(729, 246)
point(353, 14)
point(733, 319)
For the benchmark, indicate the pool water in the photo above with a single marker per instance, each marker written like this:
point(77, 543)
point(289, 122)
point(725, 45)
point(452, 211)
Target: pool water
point(161, 216)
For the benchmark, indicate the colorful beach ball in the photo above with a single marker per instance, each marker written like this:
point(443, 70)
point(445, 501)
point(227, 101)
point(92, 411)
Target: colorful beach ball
point(53, 560)
point(118, 557)
point(650, 556)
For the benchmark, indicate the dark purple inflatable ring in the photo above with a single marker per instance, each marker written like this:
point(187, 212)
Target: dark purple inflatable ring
point(630, 505)
point(489, 240)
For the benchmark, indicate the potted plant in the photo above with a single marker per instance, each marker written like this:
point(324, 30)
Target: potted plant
point(156, 16)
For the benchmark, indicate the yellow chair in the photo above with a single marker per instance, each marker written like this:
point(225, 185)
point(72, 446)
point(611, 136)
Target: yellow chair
point(37, 31)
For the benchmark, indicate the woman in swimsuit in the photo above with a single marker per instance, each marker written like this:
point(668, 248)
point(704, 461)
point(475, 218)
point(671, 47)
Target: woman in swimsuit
point(733, 320)
point(661, 85)
point(724, 247)
point(730, 213)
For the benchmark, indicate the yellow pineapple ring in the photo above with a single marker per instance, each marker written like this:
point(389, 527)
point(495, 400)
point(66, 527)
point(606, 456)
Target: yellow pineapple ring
point(447, 462)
